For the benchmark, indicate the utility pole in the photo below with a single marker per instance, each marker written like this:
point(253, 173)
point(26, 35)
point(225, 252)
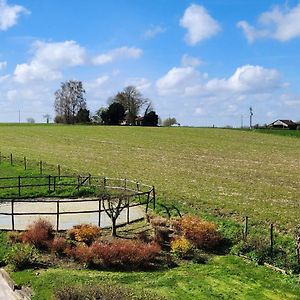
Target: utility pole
point(251, 115)
point(19, 116)
point(242, 121)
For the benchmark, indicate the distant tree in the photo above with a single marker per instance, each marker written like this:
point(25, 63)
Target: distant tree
point(132, 100)
point(47, 117)
point(83, 116)
point(150, 119)
point(115, 113)
point(69, 99)
point(30, 120)
point(169, 122)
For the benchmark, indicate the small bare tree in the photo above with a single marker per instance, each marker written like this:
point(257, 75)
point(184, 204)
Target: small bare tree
point(113, 206)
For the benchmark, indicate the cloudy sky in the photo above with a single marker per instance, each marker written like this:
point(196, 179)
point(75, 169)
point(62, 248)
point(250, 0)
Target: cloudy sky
point(203, 62)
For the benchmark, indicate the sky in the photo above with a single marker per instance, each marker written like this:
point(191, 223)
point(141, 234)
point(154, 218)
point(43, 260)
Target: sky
point(203, 62)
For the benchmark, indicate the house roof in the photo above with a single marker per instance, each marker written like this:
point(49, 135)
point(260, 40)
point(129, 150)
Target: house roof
point(281, 122)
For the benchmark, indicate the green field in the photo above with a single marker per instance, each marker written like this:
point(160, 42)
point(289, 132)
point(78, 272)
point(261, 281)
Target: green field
point(222, 172)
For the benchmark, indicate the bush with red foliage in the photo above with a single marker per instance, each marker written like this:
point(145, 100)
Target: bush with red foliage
point(58, 246)
point(39, 234)
point(85, 233)
point(123, 254)
point(202, 234)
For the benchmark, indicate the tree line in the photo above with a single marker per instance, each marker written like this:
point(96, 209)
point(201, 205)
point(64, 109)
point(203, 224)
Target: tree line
point(128, 107)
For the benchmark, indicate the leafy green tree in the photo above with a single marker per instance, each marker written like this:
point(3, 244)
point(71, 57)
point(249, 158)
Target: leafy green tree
point(150, 119)
point(83, 116)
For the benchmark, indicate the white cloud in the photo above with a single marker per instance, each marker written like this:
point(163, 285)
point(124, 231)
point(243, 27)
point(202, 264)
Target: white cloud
point(116, 54)
point(142, 84)
point(49, 59)
point(176, 80)
point(199, 24)
point(154, 31)
point(190, 61)
point(3, 65)
point(280, 23)
point(61, 54)
point(9, 14)
point(98, 82)
point(248, 79)
point(4, 78)
point(200, 111)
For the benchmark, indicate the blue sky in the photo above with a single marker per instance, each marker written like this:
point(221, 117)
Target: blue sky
point(203, 62)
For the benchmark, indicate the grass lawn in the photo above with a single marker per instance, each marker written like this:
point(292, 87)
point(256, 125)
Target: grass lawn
point(223, 172)
point(224, 277)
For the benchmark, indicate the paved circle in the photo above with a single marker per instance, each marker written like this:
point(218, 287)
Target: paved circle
point(66, 221)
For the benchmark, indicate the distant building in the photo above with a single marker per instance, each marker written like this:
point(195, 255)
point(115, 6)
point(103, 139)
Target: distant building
point(284, 124)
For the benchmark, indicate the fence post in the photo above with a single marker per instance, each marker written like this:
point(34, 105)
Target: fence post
point(99, 217)
point(19, 185)
point(125, 184)
point(11, 159)
point(90, 179)
point(78, 182)
point(271, 238)
point(57, 215)
point(58, 169)
point(246, 228)
point(49, 183)
point(154, 196)
point(41, 167)
point(54, 183)
point(12, 215)
point(25, 163)
point(104, 182)
point(128, 208)
point(138, 189)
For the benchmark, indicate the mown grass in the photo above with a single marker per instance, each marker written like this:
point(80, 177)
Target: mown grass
point(223, 172)
point(224, 277)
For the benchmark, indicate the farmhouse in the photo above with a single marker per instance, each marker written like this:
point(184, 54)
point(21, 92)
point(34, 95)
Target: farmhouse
point(284, 124)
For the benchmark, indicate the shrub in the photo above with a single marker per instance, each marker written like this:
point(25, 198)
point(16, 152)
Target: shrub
point(162, 236)
point(14, 237)
point(120, 253)
point(58, 245)
point(202, 234)
point(100, 291)
point(21, 256)
point(181, 247)
point(85, 233)
point(39, 234)
point(158, 221)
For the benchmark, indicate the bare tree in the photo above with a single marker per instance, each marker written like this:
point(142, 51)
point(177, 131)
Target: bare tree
point(113, 206)
point(69, 99)
point(133, 101)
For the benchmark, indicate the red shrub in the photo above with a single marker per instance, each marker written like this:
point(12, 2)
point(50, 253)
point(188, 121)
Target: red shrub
point(58, 245)
point(38, 234)
point(119, 253)
point(202, 234)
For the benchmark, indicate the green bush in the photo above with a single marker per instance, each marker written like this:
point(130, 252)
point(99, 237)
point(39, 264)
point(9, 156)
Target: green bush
point(21, 256)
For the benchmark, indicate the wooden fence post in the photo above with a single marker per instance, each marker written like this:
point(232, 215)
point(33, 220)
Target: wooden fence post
point(57, 215)
point(11, 159)
point(89, 179)
point(58, 169)
point(49, 183)
point(125, 184)
point(128, 209)
point(19, 185)
point(25, 163)
point(12, 215)
point(54, 183)
point(154, 196)
point(104, 182)
point(99, 217)
point(271, 238)
point(41, 167)
point(246, 228)
point(78, 183)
